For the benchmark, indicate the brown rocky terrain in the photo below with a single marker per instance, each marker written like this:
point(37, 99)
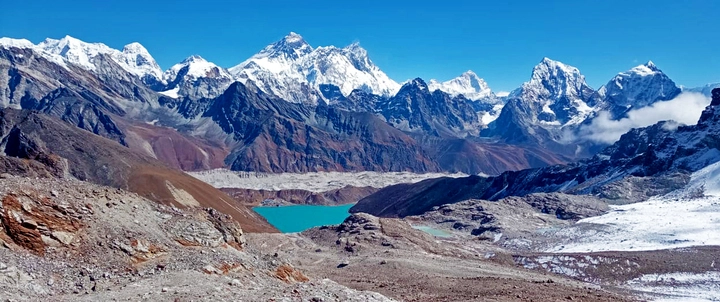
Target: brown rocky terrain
point(68, 240)
point(175, 149)
point(394, 259)
point(44, 146)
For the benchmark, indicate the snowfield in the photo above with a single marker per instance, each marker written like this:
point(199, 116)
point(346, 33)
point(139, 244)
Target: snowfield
point(680, 286)
point(683, 218)
point(314, 182)
point(679, 219)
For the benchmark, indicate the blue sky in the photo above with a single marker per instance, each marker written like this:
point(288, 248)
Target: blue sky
point(500, 40)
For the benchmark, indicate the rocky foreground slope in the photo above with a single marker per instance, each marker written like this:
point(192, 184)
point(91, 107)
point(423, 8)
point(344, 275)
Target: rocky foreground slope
point(66, 240)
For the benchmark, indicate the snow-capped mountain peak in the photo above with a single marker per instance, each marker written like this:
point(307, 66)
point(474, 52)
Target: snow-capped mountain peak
point(291, 47)
point(553, 79)
point(134, 58)
point(75, 51)
point(564, 77)
point(559, 91)
point(415, 83)
point(196, 78)
point(289, 67)
point(468, 84)
point(646, 69)
point(195, 67)
point(640, 86)
point(293, 37)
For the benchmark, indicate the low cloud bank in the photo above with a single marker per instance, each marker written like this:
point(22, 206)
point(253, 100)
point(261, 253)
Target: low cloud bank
point(686, 108)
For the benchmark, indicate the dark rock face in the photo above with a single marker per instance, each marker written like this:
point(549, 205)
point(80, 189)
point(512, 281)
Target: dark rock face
point(516, 124)
point(278, 136)
point(331, 93)
point(715, 97)
point(359, 101)
point(76, 110)
point(565, 207)
point(415, 109)
point(33, 136)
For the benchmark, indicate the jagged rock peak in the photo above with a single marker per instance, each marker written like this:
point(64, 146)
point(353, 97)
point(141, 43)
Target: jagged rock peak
point(715, 97)
point(292, 46)
point(552, 80)
point(548, 68)
point(193, 58)
point(416, 82)
point(293, 37)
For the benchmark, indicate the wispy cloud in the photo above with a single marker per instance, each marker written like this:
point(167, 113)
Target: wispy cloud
point(686, 108)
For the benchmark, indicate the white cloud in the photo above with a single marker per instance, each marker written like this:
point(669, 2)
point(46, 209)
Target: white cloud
point(686, 108)
point(502, 93)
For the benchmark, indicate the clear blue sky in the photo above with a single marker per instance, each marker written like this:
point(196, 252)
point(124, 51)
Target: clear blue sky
point(499, 40)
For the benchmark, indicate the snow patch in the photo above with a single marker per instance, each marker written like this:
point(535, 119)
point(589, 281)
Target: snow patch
point(173, 93)
point(679, 286)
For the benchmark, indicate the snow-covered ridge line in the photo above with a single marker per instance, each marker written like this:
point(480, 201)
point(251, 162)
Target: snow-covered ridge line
point(133, 58)
point(291, 65)
point(314, 182)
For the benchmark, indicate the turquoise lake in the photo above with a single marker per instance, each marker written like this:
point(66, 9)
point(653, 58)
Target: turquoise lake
point(290, 219)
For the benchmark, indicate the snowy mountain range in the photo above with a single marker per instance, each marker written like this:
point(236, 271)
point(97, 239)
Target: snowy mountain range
point(290, 67)
point(551, 108)
point(133, 58)
point(554, 102)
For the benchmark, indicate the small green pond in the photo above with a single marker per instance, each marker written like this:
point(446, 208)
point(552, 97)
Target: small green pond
point(432, 231)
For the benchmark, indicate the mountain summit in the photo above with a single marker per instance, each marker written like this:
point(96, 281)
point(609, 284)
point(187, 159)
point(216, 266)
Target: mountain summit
point(560, 90)
point(291, 47)
point(468, 84)
point(292, 69)
point(638, 87)
point(196, 78)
